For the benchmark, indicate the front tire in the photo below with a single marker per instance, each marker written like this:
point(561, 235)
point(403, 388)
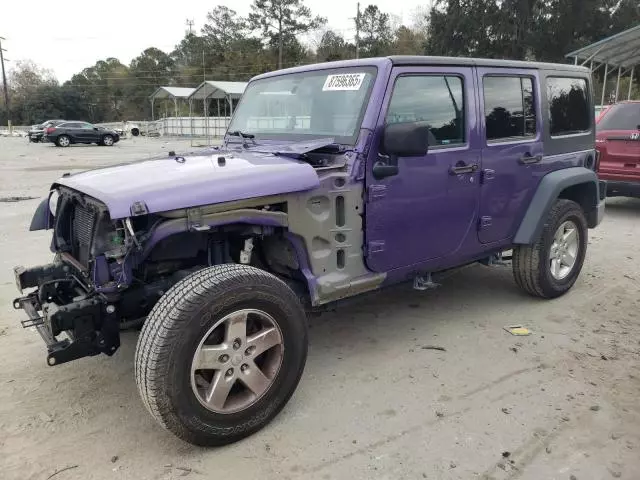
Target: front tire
point(107, 141)
point(221, 353)
point(549, 267)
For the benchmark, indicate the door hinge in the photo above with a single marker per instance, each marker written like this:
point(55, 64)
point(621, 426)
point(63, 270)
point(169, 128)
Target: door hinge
point(375, 192)
point(485, 222)
point(488, 174)
point(375, 246)
point(194, 220)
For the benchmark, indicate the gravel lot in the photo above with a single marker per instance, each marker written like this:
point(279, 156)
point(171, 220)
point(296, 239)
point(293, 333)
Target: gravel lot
point(562, 403)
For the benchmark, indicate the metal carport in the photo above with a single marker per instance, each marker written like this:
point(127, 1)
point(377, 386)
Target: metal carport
point(619, 52)
point(218, 90)
point(213, 89)
point(174, 93)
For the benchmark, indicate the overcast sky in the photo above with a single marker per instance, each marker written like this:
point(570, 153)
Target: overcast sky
point(67, 36)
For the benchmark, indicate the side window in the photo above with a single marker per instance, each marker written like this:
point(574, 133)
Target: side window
point(86, 126)
point(568, 106)
point(437, 100)
point(509, 107)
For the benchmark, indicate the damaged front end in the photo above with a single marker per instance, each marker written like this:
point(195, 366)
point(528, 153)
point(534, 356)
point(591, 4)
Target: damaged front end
point(79, 302)
point(90, 323)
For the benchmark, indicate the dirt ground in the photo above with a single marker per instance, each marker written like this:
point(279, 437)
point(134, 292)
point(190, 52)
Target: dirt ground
point(374, 403)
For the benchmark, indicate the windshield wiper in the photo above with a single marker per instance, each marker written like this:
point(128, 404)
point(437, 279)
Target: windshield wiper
point(238, 133)
point(244, 136)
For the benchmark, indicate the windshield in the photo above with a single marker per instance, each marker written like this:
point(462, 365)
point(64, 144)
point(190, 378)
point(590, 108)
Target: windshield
point(306, 105)
point(623, 116)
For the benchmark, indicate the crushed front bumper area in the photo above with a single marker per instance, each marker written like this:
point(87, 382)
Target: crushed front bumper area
point(89, 322)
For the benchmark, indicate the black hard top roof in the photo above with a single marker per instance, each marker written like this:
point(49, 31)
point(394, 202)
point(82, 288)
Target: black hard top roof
point(482, 62)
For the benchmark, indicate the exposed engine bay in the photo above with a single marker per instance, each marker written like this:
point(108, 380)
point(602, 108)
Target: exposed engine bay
point(108, 274)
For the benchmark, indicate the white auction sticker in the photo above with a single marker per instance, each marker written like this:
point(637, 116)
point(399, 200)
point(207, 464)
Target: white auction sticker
point(344, 81)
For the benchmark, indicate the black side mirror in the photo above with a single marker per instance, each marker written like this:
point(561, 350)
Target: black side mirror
point(96, 128)
point(408, 139)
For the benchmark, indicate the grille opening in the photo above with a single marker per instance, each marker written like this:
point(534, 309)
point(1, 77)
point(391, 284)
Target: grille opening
point(84, 220)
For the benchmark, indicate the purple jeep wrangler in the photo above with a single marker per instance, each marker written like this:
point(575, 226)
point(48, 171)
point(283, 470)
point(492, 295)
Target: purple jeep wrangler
point(333, 180)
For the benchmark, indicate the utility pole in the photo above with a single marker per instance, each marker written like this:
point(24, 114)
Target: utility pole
point(358, 32)
point(6, 87)
point(190, 25)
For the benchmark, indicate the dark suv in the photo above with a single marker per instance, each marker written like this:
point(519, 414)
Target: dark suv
point(67, 133)
point(618, 146)
point(334, 180)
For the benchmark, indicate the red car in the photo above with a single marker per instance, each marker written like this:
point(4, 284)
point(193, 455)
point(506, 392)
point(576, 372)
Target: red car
point(618, 147)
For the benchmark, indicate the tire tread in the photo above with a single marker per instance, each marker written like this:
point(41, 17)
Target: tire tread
point(166, 322)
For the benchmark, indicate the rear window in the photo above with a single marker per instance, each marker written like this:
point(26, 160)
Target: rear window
point(509, 108)
point(623, 116)
point(568, 106)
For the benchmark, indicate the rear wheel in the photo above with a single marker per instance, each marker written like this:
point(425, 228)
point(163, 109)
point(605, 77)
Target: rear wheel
point(221, 353)
point(550, 267)
point(63, 141)
point(107, 140)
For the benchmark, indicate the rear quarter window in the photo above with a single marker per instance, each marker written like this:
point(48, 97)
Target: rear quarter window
point(623, 116)
point(509, 108)
point(568, 100)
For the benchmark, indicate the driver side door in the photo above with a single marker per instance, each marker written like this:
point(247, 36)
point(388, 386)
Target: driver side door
point(429, 208)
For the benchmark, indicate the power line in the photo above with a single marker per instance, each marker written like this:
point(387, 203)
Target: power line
point(233, 66)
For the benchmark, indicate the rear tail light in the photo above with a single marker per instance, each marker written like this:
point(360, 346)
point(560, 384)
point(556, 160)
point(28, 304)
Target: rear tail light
point(50, 129)
point(596, 165)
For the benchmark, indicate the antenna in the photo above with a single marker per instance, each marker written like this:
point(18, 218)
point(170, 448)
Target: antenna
point(358, 31)
point(190, 25)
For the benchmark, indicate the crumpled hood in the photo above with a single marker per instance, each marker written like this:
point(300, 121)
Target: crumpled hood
point(167, 184)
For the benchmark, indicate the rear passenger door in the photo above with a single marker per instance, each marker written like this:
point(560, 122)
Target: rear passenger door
point(511, 131)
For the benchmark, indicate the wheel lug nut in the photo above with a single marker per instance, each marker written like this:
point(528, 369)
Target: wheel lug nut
point(244, 367)
point(237, 343)
point(223, 358)
point(229, 372)
point(250, 350)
